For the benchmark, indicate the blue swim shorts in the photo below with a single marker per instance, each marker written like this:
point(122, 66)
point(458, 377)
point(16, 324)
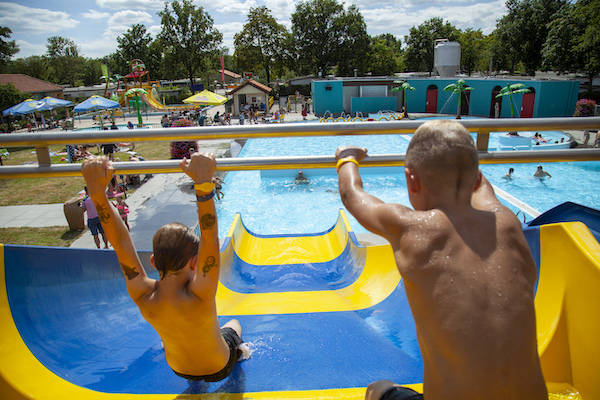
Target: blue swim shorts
point(95, 226)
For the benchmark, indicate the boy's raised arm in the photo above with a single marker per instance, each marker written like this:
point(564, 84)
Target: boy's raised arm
point(370, 211)
point(201, 169)
point(97, 173)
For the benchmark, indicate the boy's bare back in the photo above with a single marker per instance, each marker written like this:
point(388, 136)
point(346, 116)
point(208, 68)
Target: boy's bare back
point(466, 266)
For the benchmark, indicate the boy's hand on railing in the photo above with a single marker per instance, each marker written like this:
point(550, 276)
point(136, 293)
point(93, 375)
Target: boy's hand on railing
point(358, 153)
point(200, 168)
point(97, 172)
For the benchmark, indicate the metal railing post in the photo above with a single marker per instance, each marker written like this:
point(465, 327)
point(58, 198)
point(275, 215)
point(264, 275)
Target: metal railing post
point(483, 140)
point(43, 156)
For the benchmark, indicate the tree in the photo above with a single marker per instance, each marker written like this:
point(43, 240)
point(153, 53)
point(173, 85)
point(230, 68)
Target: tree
point(574, 39)
point(36, 66)
point(261, 43)
point(189, 36)
point(524, 29)
point(385, 55)
point(134, 43)
point(421, 41)
point(9, 96)
point(8, 48)
point(458, 88)
point(321, 31)
point(509, 90)
point(64, 58)
point(472, 45)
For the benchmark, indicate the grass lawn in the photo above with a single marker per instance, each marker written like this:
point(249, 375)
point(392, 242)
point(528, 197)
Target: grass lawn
point(59, 190)
point(59, 236)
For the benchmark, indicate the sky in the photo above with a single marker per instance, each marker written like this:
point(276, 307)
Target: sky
point(94, 25)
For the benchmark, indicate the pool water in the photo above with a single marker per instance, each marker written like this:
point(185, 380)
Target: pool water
point(271, 203)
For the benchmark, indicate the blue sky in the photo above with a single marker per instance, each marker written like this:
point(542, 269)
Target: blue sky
point(95, 24)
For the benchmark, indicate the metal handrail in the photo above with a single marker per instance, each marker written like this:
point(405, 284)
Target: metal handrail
point(42, 139)
point(483, 127)
point(295, 162)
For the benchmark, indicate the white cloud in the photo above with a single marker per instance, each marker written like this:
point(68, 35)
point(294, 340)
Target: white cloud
point(282, 11)
point(120, 21)
point(97, 48)
point(93, 14)
point(131, 4)
point(154, 30)
point(228, 30)
point(228, 6)
point(38, 20)
point(27, 49)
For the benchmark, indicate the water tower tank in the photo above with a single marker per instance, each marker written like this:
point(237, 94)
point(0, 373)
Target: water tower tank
point(446, 57)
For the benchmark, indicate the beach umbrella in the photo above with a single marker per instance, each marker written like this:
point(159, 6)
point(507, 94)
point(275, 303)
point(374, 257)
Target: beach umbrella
point(206, 97)
point(52, 102)
point(24, 107)
point(137, 92)
point(95, 103)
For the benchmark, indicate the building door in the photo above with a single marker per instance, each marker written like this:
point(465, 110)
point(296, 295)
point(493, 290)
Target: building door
point(496, 103)
point(528, 104)
point(431, 102)
point(465, 99)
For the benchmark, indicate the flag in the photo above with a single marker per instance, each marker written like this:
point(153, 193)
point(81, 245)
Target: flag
point(222, 70)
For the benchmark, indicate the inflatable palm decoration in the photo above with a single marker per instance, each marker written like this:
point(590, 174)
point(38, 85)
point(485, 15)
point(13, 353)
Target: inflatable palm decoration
point(404, 86)
point(509, 90)
point(458, 88)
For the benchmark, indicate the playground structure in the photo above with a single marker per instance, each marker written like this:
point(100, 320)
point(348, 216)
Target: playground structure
point(70, 324)
point(139, 77)
point(381, 116)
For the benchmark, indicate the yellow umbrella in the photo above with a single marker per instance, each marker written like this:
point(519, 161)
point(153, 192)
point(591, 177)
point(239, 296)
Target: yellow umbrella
point(206, 97)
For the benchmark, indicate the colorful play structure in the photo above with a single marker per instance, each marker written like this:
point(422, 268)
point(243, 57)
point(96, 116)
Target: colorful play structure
point(324, 315)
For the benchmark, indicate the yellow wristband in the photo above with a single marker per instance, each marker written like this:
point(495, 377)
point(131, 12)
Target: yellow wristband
point(344, 160)
point(204, 187)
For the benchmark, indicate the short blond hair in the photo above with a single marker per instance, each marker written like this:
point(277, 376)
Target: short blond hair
point(442, 146)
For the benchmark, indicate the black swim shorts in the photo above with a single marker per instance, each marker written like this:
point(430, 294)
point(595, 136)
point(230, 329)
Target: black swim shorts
point(401, 393)
point(233, 341)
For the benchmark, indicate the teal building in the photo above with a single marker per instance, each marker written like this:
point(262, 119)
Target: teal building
point(547, 98)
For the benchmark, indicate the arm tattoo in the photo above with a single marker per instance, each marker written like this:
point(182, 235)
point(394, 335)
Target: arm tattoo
point(208, 265)
point(129, 272)
point(103, 213)
point(207, 221)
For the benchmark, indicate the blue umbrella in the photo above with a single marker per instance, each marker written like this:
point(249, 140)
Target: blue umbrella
point(52, 102)
point(96, 103)
point(24, 107)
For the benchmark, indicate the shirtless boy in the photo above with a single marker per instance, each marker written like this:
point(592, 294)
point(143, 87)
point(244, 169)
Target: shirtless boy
point(181, 305)
point(467, 270)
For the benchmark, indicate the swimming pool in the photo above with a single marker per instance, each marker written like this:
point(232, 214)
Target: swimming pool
point(271, 203)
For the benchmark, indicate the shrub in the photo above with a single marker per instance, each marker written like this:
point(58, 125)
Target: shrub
point(182, 149)
point(585, 108)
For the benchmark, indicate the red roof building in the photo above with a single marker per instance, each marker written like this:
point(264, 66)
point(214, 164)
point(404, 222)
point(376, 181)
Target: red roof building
point(36, 88)
point(250, 92)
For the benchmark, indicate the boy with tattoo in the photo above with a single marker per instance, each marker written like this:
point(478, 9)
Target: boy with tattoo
point(467, 270)
point(181, 305)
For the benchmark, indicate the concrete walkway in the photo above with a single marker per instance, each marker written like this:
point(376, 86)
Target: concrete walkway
point(35, 215)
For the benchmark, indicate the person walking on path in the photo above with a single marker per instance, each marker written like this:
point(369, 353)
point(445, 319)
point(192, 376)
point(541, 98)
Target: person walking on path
point(93, 222)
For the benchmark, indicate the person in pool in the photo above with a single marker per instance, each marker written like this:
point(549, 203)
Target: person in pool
point(467, 270)
point(540, 173)
point(509, 174)
point(181, 304)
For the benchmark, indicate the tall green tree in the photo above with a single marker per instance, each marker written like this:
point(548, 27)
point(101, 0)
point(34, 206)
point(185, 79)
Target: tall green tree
point(8, 48)
point(189, 36)
point(64, 58)
point(471, 45)
point(9, 96)
point(134, 44)
point(261, 44)
point(523, 30)
point(385, 55)
point(574, 39)
point(326, 35)
point(421, 40)
point(36, 66)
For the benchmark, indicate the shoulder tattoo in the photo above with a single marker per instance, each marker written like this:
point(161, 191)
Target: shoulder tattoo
point(207, 221)
point(129, 272)
point(209, 264)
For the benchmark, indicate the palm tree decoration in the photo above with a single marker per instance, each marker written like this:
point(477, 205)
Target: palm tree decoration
point(137, 92)
point(108, 81)
point(458, 88)
point(404, 86)
point(509, 90)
